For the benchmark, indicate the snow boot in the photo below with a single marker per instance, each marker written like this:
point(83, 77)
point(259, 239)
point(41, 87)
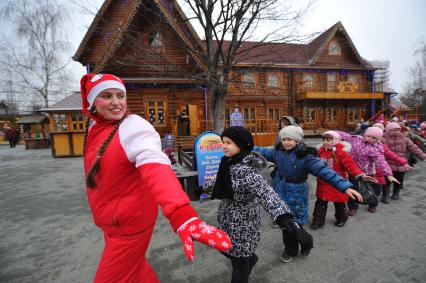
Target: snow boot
point(385, 196)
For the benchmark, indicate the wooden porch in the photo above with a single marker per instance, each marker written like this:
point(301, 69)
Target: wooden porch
point(338, 90)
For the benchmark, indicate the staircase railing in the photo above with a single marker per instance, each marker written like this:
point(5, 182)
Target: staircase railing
point(375, 116)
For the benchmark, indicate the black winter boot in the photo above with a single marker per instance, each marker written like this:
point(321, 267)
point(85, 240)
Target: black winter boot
point(320, 212)
point(385, 196)
point(395, 194)
point(240, 270)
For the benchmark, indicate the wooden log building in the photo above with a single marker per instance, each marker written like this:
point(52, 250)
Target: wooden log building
point(325, 82)
point(66, 126)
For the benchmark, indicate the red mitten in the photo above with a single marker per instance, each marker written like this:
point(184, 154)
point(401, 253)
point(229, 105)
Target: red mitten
point(203, 233)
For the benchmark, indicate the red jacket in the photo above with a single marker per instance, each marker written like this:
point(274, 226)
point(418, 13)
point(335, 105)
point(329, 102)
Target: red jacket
point(342, 163)
point(134, 178)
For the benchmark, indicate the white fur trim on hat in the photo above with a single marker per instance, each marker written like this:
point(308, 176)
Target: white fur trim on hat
point(99, 88)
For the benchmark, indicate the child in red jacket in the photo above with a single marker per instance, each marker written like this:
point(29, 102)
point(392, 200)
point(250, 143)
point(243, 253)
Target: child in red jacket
point(334, 153)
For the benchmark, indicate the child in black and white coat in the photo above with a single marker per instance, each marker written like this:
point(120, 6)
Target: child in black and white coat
point(243, 191)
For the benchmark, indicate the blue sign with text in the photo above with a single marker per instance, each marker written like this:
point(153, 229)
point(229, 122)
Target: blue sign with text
point(208, 153)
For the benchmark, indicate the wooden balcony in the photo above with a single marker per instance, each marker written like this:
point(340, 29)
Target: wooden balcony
point(339, 90)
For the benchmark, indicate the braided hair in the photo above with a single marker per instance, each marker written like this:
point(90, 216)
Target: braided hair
point(90, 179)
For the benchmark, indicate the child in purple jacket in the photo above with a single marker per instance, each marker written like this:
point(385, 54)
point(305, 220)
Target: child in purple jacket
point(368, 153)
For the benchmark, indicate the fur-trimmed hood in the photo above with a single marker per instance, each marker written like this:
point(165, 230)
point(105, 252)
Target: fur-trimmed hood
point(301, 149)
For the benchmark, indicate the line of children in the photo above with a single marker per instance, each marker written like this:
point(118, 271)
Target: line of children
point(294, 161)
point(242, 191)
point(336, 156)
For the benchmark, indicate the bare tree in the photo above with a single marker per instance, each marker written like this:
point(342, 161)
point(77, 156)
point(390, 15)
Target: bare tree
point(34, 53)
point(415, 90)
point(226, 25)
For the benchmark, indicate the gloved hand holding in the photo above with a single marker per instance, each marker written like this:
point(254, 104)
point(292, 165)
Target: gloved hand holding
point(287, 222)
point(195, 229)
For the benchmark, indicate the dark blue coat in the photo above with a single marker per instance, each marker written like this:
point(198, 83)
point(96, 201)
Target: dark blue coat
point(292, 170)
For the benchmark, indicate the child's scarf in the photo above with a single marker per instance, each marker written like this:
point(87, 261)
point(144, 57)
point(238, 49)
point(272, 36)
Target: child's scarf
point(222, 188)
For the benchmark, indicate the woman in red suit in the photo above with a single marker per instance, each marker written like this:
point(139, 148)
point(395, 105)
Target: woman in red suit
point(127, 177)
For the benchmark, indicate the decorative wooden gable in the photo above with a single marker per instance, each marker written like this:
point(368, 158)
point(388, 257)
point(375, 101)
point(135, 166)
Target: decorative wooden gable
point(151, 48)
point(336, 49)
point(140, 37)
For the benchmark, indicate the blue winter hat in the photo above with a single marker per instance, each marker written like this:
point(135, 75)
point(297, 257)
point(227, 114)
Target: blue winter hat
point(364, 126)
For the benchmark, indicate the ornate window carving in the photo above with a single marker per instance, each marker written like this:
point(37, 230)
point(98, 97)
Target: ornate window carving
point(273, 80)
point(249, 80)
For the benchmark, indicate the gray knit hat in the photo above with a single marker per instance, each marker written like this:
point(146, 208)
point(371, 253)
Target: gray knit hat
point(291, 132)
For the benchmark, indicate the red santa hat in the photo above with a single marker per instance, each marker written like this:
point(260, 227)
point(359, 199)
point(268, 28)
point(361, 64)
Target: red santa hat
point(94, 84)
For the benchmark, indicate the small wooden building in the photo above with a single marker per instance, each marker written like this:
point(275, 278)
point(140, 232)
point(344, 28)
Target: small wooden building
point(66, 127)
point(34, 131)
point(325, 82)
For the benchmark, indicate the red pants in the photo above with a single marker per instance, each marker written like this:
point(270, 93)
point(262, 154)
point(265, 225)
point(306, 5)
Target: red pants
point(123, 259)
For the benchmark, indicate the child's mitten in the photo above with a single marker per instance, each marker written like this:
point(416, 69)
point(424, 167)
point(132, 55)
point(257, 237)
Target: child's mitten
point(206, 234)
point(287, 222)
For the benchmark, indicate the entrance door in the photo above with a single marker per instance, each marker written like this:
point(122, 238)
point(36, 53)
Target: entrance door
point(194, 128)
point(332, 115)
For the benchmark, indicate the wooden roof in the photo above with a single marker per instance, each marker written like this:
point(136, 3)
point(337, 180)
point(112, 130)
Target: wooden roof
point(290, 54)
point(69, 103)
point(33, 119)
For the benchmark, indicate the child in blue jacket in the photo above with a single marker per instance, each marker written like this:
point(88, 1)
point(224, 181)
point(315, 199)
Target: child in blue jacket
point(294, 161)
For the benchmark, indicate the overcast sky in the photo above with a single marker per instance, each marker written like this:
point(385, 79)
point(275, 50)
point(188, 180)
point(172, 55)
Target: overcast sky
point(380, 29)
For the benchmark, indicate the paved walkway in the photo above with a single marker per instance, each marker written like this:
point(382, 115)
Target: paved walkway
point(47, 234)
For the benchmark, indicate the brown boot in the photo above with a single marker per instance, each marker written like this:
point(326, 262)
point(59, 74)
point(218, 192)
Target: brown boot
point(315, 225)
point(372, 209)
point(352, 211)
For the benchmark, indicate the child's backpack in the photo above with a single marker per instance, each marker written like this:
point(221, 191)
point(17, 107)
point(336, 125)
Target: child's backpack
point(367, 192)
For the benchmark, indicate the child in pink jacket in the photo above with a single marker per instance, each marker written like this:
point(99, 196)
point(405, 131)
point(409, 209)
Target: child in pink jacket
point(389, 155)
point(368, 153)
